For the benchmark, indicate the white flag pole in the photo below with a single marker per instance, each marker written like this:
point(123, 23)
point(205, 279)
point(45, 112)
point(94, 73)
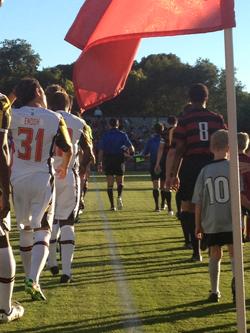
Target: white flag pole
point(234, 182)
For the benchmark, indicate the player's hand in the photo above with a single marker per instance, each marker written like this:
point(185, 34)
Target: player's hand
point(4, 206)
point(61, 172)
point(198, 232)
point(157, 169)
point(174, 183)
point(244, 167)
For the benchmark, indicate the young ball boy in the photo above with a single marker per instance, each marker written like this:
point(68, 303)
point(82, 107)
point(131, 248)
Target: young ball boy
point(213, 220)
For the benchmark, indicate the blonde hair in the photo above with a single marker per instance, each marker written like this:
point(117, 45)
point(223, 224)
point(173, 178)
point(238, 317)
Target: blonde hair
point(219, 140)
point(243, 140)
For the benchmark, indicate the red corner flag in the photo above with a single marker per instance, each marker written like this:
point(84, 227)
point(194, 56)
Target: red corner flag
point(109, 32)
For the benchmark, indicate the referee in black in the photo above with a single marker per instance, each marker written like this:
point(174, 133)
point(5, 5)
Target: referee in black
point(114, 146)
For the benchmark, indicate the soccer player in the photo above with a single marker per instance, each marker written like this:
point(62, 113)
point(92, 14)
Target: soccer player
point(113, 147)
point(151, 150)
point(243, 142)
point(191, 147)
point(67, 189)
point(160, 164)
point(9, 310)
point(213, 218)
point(34, 131)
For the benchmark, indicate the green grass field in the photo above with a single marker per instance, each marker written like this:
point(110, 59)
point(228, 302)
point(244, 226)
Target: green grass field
point(131, 274)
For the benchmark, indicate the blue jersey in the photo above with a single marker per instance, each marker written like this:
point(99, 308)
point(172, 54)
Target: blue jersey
point(151, 148)
point(114, 142)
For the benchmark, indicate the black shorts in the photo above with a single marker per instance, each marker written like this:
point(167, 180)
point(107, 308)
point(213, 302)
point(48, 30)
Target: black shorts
point(161, 175)
point(114, 165)
point(220, 239)
point(190, 169)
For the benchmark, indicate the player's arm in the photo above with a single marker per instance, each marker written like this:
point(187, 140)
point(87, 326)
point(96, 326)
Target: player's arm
point(159, 155)
point(5, 108)
point(198, 227)
point(244, 201)
point(63, 141)
point(173, 164)
point(86, 145)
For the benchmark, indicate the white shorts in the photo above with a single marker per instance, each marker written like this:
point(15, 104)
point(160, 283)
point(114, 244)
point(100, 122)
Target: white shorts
point(67, 196)
point(34, 198)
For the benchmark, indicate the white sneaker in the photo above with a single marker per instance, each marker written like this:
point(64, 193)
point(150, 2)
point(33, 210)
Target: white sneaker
point(119, 203)
point(171, 213)
point(16, 312)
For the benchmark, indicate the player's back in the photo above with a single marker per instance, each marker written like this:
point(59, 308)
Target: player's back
point(75, 127)
point(195, 127)
point(33, 131)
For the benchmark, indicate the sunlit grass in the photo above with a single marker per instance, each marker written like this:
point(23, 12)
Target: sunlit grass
point(131, 274)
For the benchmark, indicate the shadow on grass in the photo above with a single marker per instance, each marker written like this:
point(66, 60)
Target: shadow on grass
point(167, 315)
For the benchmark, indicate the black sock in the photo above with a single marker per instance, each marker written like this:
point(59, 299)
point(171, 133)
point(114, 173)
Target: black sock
point(185, 226)
point(111, 196)
point(163, 197)
point(156, 197)
point(195, 242)
point(119, 189)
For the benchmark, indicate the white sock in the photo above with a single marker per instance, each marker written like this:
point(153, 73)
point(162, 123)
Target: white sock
point(214, 271)
point(7, 276)
point(39, 254)
point(52, 261)
point(26, 244)
point(67, 248)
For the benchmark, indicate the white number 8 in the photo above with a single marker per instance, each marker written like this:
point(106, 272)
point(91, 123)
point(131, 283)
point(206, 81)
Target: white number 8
point(203, 127)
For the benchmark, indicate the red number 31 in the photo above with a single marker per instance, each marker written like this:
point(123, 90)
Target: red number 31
point(26, 143)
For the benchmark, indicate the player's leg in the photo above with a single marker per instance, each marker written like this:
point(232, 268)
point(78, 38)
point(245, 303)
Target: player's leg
point(231, 255)
point(8, 310)
point(120, 186)
point(26, 245)
point(215, 255)
point(156, 193)
point(52, 258)
point(67, 242)
point(110, 191)
point(42, 213)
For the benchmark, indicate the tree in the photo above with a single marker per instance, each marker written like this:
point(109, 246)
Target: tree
point(17, 59)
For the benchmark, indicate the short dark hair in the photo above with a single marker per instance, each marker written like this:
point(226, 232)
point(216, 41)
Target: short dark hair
point(51, 90)
point(114, 122)
point(198, 93)
point(158, 128)
point(59, 101)
point(25, 90)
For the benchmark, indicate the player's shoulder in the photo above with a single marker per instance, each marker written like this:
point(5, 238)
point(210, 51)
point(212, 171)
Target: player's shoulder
point(4, 103)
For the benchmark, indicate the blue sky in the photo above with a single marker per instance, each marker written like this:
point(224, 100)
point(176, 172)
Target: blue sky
point(44, 24)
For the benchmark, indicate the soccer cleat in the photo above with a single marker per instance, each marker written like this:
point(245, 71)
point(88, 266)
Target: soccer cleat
point(34, 290)
point(16, 312)
point(65, 279)
point(171, 213)
point(54, 270)
point(119, 203)
point(113, 208)
point(233, 290)
point(196, 257)
point(214, 297)
point(157, 209)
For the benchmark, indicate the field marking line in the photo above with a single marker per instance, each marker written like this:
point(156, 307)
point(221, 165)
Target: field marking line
point(119, 273)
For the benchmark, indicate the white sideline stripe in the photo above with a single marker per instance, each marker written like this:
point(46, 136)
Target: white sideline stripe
point(123, 289)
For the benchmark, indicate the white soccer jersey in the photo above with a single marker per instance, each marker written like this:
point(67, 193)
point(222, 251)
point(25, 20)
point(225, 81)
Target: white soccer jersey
point(75, 127)
point(33, 131)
